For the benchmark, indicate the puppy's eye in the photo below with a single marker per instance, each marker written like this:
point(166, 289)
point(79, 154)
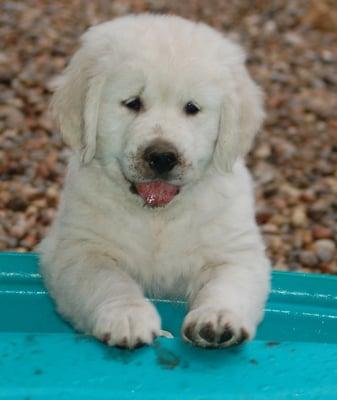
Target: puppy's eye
point(191, 108)
point(134, 104)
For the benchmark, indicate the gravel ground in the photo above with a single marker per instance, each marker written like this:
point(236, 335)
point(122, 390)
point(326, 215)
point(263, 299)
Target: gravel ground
point(292, 49)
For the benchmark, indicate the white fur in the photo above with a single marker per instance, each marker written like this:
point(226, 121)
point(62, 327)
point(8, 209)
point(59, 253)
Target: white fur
point(105, 249)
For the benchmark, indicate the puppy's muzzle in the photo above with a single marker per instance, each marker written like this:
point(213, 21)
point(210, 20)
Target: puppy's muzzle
point(161, 157)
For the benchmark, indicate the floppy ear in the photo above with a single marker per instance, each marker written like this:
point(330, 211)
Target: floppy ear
point(75, 105)
point(241, 118)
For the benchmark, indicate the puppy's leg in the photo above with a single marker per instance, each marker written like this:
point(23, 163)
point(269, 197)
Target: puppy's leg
point(227, 302)
point(102, 300)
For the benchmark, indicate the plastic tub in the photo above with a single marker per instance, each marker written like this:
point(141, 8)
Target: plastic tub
point(293, 356)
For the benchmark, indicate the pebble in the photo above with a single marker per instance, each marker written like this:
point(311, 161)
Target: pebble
point(53, 195)
point(274, 242)
point(308, 196)
point(264, 173)
point(279, 203)
point(263, 215)
point(29, 241)
point(292, 192)
point(281, 266)
point(325, 249)
point(321, 232)
point(331, 268)
point(278, 219)
point(269, 228)
point(307, 236)
point(13, 116)
point(17, 204)
point(263, 151)
point(308, 258)
point(283, 149)
point(299, 217)
point(317, 210)
point(18, 230)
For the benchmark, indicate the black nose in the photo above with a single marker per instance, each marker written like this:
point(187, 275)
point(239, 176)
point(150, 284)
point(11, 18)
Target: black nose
point(161, 162)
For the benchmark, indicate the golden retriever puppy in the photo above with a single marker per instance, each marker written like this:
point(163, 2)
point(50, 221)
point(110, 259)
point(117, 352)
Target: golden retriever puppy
point(159, 112)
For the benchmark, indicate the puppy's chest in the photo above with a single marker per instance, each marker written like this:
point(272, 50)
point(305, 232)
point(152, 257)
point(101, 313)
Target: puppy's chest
point(160, 253)
point(162, 242)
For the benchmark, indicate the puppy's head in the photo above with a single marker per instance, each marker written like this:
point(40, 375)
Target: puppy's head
point(157, 101)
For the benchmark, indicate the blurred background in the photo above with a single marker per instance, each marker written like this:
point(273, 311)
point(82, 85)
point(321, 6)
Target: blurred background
point(292, 48)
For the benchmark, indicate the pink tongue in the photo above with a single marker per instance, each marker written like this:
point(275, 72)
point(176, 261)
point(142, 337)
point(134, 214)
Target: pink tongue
point(156, 193)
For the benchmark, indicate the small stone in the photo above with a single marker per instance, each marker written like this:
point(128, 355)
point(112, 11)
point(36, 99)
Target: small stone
point(279, 203)
point(317, 210)
point(7, 242)
point(47, 215)
point(321, 232)
point(308, 196)
point(263, 215)
point(299, 217)
point(270, 27)
point(29, 241)
point(298, 239)
point(327, 56)
point(265, 173)
point(274, 242)
point(332, 183)
point(331, 268)
point(120, 7)
point(283, 149)
point(278, 219)
point(40, 203)
point(31, 210)
point(17, 204)
point(281, 266)
point(294, 39)
point(290, 191)
point(263, 151)
point(294, 266)
point(14, 117)
point(269, 228)
point(308, 258)
point(307, 237)
point(21, 249)
point(325, 249)
point(18, 230)
point(52, 195)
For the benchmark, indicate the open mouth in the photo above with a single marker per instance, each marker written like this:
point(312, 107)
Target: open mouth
point(156, 193)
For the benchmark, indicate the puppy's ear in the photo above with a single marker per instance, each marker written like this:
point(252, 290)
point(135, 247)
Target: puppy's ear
point(75, 105)
point(241, 118)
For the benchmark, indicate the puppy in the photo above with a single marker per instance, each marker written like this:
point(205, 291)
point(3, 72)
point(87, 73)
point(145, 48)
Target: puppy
point(159, 112)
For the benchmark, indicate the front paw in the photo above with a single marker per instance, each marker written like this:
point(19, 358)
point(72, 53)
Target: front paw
point(215, 327)
point(129, 325)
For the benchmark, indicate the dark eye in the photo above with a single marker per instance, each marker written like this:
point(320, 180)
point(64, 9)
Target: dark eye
point(134, 104)
point(191, 108)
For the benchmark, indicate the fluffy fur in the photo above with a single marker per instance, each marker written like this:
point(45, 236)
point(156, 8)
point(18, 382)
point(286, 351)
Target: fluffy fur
point(105, 249)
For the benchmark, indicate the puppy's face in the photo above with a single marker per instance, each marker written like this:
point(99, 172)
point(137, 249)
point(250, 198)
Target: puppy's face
point(157, 101)
point(161, 123)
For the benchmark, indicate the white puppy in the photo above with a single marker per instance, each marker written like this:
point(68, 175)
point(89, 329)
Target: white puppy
point(159, 112)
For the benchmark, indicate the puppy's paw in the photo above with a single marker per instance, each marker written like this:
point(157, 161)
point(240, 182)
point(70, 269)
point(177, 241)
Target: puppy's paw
point(127, 325)
point(215, 327)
